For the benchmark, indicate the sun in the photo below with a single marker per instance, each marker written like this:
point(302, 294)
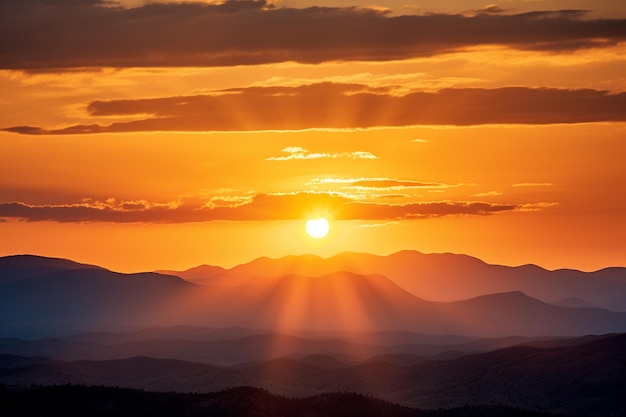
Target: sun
point(317, 228)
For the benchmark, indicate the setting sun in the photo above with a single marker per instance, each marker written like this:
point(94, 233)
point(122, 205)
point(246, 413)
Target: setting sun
point(317, 228)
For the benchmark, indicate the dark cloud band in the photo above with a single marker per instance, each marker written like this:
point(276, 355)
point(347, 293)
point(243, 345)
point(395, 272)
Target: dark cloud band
point(328, 105)
point(261, 207)
point(71, 33)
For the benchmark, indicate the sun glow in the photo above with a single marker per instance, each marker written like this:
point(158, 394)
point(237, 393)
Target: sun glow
point(317, 228)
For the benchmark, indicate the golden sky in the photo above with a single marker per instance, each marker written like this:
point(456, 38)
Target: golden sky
point(163, 135)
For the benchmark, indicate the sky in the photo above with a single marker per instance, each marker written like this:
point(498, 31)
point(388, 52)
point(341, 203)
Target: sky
point(164, 135)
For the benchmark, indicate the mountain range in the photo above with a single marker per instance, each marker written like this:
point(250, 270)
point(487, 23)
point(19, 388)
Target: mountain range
point(77, 400)
point(435, 277)
point(418, 331)
point(224, 348)
point(584, 376)
point(47, 297)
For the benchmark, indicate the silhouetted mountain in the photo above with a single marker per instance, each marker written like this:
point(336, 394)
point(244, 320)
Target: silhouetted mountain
point(187, 343)
point(617, 303)
point(17, 267)
point(255, 348)
point(78, 299)
point(344, 301)
point(450, 277)
point(84, 299)
point(338, 301)
point(567, 341)
point(395, 338)
point(219, 352)
point(574, 303)
point(324, 361)
point(615, 274)
point(209, 275)
point(138, 372)
point(79, 401)
point(177, 332)
point(17, 361)
point(286, 371)
point(516, 313)
point(405, 359)
point(587, 377)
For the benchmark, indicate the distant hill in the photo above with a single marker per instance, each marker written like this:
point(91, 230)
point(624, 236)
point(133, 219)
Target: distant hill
point(78, 300)
point(17, 267)
point(574, 303)
point(219, 352)
point(138, 372)
point(341, 331)
point(617, 303)
point(63, 296)
point(77, 401)
point(255, 348)
point(344, 301)
point(176, 332)
point(437, 277)
point(586, 377)
point(208, 275)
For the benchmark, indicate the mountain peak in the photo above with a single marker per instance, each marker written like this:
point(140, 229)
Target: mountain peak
point(29, 260)
point(506, 296)
point(14, 268)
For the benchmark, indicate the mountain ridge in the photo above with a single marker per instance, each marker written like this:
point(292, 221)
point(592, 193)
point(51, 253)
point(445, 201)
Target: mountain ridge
point(338, 301)
point(586, 377)
point(449, 277)
point(17, 267)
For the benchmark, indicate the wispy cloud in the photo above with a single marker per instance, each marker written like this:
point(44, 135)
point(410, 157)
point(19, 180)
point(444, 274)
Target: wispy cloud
point(388, 184)
point(537, 206)
point(488, 194)
point(227, 201)
point(374, 225)
point(488, 9)
point(294, 152)
point(533, 184)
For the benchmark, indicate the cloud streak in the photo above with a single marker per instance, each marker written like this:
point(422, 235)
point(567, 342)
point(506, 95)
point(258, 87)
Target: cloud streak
point(378, 183)
point(64, 34)
point(297, 153)
point(287, 206)
point(332, 105)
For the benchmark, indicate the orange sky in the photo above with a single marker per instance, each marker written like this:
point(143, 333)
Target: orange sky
point(170, 135)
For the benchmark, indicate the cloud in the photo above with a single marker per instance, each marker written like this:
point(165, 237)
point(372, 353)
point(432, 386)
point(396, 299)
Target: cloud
point(488, 194)
point(227, 201)
point(285, 206)
point(537, 206)
point(534, 184)
point(377, 183)
point(392, 184)
point(72, 33)
point(488, 9)
point(294, 152)
point(372, 225)
point(331, 105)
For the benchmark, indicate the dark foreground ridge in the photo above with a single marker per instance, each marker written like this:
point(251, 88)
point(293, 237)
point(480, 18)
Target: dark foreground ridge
point(95, 401)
